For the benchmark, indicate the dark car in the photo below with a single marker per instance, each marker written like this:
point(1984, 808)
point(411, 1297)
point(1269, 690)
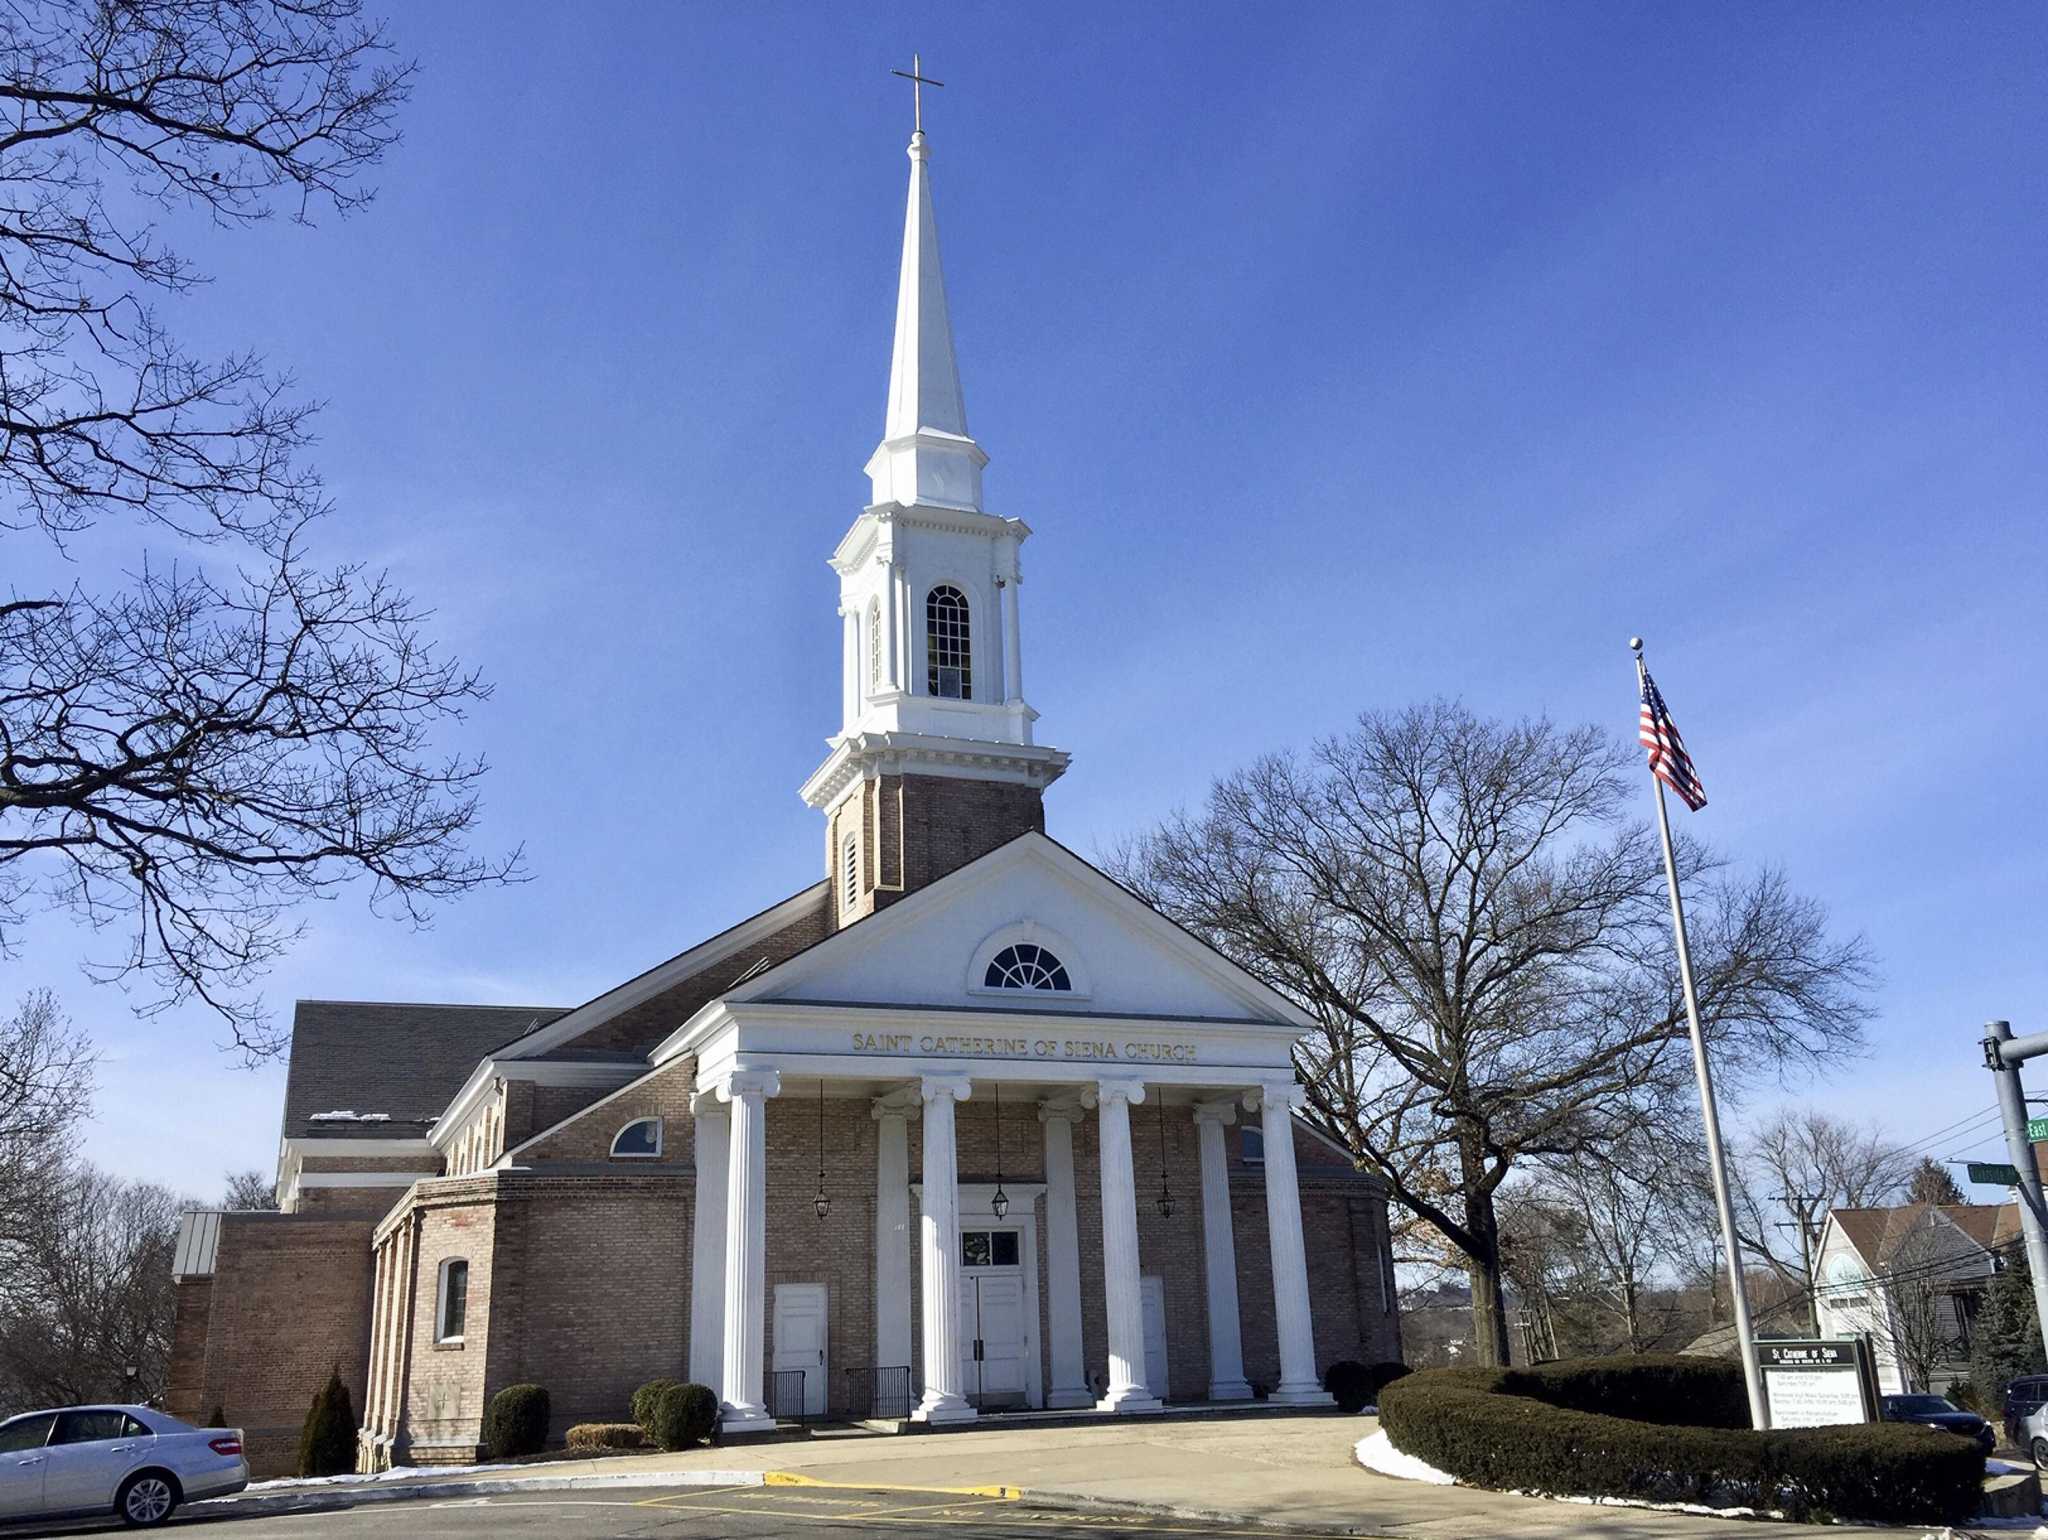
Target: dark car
point(2023, 1397)
point(1938, 1412)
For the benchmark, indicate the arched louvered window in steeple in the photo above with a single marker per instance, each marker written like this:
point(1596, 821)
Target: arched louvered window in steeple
point(948, 650)
point(874, 647)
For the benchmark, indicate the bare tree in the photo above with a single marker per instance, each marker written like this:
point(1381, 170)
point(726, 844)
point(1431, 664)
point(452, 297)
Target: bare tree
point(87, 1298)
point(1791, 1171)
point(188, 758)
point(251, 1189)
point(1480, 933)
point(45, 1087)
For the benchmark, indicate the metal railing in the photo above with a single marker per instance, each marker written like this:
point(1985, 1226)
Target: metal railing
point(786, 1400)
point(879, 1391)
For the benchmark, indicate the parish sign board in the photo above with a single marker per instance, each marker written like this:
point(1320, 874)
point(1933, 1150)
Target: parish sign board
point(1816, 1384)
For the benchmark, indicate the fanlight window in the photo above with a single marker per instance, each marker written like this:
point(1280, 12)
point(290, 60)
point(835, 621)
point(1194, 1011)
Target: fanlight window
point(949, 671)
point(1025, 966)
point(640, 1137)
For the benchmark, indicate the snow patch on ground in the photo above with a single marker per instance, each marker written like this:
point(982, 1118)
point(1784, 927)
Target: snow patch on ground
point(1377, 1453)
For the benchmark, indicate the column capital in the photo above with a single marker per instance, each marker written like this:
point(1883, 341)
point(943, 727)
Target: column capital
point(1064, 1109)
point(903, 1102)
point(1288, 1095)
point(707, 1104)
point(1115, 1088)
point(955, 1087)
point(757, 1084)
point(1218, 1109)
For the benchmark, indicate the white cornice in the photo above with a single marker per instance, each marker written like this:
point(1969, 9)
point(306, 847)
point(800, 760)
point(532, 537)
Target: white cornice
point(856, 756)
point(858, 543)
point(363, 1147)
point(538, 1072)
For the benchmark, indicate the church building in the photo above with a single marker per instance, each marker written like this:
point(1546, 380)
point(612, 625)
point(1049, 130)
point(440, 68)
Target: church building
point(963, 1128)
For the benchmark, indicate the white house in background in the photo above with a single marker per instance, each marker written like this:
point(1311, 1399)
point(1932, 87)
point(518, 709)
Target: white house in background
point(1912, 1278)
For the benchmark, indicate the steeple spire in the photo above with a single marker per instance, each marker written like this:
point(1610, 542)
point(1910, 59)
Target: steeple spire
point(926, 455)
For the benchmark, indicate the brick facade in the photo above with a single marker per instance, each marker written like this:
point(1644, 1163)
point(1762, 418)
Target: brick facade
point(911, 830)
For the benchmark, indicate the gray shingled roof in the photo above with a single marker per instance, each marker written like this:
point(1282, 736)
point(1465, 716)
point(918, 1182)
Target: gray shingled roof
point(406, 1061)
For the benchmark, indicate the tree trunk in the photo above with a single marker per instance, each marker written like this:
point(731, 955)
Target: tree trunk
point(1482, 1266)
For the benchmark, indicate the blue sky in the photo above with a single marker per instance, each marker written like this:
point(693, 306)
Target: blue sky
point(1340, 356)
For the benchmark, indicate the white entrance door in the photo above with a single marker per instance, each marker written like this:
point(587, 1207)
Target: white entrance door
point(1153, 1292)
point(800, 1341)
point(993, 1337)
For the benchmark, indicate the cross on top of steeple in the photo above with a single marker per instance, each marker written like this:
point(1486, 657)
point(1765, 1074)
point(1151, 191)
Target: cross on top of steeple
point(918, 81)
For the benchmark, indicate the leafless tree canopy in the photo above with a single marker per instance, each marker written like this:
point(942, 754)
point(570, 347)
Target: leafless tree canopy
point(251, 1189)
point(186, 759)
point(1481, 934)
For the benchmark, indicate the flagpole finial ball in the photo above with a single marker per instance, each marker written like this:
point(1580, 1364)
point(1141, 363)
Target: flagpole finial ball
point(1635, 644)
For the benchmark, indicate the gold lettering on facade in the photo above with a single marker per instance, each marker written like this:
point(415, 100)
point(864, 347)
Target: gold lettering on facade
point(948, 1045)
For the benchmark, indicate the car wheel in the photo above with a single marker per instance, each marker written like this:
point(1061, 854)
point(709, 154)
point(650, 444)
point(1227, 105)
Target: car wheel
point(146, 1499)
point(2041, 1454)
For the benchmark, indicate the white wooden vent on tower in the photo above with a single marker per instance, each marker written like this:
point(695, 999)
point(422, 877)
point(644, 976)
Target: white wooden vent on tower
point(849, 865)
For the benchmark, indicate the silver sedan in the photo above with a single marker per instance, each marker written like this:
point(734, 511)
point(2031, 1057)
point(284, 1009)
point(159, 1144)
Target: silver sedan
point(131, 1461)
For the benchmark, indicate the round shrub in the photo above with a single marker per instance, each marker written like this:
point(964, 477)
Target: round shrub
point(606, 1435)
point(516, 1422)
point(1558, 1429)
point(643, 1402)
point(1351, 1383)
point(684, 1415)
point(1384, 1373)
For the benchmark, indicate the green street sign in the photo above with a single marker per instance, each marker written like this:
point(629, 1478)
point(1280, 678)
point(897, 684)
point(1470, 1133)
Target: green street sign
point(2037, 1130)
point(1994, 1175)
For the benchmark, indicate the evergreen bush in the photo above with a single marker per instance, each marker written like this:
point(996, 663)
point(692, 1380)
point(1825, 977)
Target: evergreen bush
point(1539, 1430)
point(606, 1435)
point(219, 1419)
point(327, 1442)
point(643, 1402)
point(1350, 1382)
point(2007, 1340)
point(516, 1422)
point(684, 1415)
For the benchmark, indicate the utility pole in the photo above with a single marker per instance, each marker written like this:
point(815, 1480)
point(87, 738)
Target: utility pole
point(1800, 1207)
point(2003, 1056)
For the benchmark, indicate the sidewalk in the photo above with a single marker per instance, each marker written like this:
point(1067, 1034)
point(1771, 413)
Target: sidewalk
point(1295, 1472)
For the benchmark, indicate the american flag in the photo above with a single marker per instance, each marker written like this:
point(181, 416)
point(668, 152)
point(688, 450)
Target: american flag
point(1668, 760)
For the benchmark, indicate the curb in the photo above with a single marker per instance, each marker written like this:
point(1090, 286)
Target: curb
point(344, 1493)
point(1083, 1502)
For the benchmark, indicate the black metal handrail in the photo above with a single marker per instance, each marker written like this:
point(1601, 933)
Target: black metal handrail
point(786, 1400)
point(880, 1391)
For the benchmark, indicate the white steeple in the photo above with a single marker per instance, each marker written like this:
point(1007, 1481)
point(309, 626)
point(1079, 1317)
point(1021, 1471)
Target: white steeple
point(926, 455)
point(932, 659)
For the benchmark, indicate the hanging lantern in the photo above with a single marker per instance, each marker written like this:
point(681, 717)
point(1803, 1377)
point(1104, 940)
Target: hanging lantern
point(821, 1203)
point(1000, 1203)
point(1165, 1201)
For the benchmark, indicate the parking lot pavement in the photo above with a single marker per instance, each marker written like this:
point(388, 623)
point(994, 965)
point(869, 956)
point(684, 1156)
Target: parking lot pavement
point(688, 1513)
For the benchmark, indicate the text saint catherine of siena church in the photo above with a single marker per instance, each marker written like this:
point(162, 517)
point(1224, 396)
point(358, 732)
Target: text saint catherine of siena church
point(962, 1128)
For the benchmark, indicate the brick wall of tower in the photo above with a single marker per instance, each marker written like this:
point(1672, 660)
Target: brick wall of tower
point(911, 830)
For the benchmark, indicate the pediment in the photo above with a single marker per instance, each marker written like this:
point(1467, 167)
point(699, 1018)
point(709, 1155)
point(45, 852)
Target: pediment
point(1031, 905)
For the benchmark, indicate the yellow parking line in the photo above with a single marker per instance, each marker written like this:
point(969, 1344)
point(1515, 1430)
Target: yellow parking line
point(790, 1478)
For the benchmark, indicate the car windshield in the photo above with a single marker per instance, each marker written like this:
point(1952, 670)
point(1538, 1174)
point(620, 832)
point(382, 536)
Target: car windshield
point(1919, 1406)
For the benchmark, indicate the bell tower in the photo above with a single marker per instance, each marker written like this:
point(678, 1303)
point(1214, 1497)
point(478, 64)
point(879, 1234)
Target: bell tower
point(934, 762)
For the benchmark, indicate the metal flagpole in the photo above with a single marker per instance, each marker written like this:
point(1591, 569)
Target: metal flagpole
point(1717, 1161)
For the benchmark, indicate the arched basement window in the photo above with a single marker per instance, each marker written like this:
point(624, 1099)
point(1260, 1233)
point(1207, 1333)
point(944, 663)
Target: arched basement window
point(1026, 966)
point(949, 668)
point(640, 1138)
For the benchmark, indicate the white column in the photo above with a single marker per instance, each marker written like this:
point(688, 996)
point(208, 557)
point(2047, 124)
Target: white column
point(746, 1244)
point(892, 1228)
point(1219, 1253)
point(712, 1150)
point(1063, 1259)
point(1299, 1385)
point(849, 673)
point(1013, 642)
point(1123, 1300)
point(940, 1235)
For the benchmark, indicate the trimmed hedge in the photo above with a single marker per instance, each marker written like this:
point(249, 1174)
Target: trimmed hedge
point(684, 1415)
point(607, 1435)
point(1538, 1430)
point(643, 1402)
point(516, 1422)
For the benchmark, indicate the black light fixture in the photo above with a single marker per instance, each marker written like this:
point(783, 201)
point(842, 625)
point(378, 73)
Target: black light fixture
point(1000, 1203)
point(821, 1203)
point(1165, 1196)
